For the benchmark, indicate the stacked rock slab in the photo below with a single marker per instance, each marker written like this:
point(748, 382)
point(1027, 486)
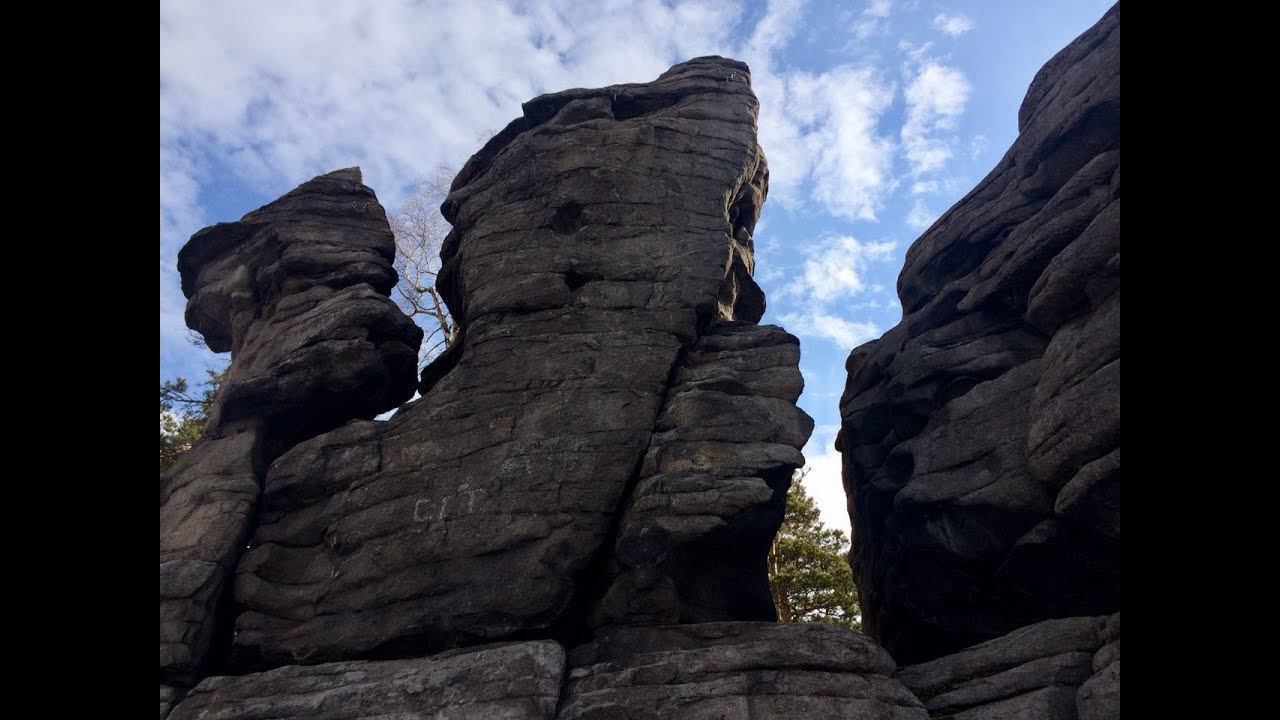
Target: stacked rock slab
point(519, 681)
point(297, 291)
point(1053, 670)
point(734, 670)
point(600, 256)
point(981, 435)
point(696, 531)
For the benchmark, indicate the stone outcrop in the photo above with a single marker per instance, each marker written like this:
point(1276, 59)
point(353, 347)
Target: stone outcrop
point(600, 461)
point(599, 271)
point(981, 435)
point(573, 519)
point(734, 670)
point(297, 291)
point(519, 681)
point(1054, 670)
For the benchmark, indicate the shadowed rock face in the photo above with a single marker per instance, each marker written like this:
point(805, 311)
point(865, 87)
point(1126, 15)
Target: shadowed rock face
point(1064, 669)
point(599, 269)
point(297, 291)
point(519, 681)
point(734, 670)
point(981, 435)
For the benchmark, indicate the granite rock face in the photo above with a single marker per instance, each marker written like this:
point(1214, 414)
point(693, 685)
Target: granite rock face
point(1053, 670)
point(609, 396)
point(297, 291)
point(734, 670)
point(981, 435)
point(696, 531)
point(519, 681)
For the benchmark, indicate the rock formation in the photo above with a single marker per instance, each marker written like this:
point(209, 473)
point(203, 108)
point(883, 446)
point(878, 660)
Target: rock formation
point(572, 520)
point(981, 435)
point(734, 670)
point(1054, 670)
point(297, 291)
point(599, 269)
point(518, 681)
point(599, 462)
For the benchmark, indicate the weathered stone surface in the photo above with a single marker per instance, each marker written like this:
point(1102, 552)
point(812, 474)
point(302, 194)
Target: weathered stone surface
point(696, 532)
point(598, 243)
point(297, 291)
point(1099, 697)
point(519, 681)
point(1031, 673)
point(981, 435)
point(1051, 703)
point(169, 696)
point(733, 670)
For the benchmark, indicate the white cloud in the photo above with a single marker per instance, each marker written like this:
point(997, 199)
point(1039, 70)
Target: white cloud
point(978, 145)
point(920, 217)
point(953, 25)
point(819, 130)
point(936, 97)
point(823, 325)
point(823, 481)
point(872, 20)
point(878, 8)
point(836, 268)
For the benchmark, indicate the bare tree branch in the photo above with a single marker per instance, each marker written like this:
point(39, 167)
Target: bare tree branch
point(420, 231)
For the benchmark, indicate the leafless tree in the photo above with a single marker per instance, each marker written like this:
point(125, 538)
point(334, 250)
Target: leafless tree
point(420, 231)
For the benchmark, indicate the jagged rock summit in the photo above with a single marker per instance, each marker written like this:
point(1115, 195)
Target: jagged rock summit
point(981, 435)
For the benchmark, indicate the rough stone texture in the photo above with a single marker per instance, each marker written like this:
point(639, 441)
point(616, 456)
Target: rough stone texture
point(981, 435)
point(1038, 672)
point(297, 291)
point(734, 670)
point(696, 533)
point(601, 247)
point(519, 681)
point(1099, 697)
point(169, 696)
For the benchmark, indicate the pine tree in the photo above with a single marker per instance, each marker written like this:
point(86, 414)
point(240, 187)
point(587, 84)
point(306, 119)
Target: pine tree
point(183, 415)
point(808, 574)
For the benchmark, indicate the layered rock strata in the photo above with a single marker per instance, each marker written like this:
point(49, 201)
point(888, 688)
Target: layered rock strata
point(297, 292)
point(734, 670)
point(1054, 670)
point(519, 681)
point(981, 435)
point(599, 269)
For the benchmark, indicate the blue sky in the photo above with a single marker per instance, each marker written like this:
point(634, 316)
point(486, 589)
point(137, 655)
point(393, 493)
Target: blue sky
point(876, 117)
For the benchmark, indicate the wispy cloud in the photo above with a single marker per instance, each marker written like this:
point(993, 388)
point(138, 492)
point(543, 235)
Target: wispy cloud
point(936, 97)
point(953, 25)
point(872, 20)
point(835, 268)
point(824, 325)
point(920, 217)
point(820, 130)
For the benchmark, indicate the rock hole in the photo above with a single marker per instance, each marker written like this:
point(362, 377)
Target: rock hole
point(567, 219)
point(575, 280)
